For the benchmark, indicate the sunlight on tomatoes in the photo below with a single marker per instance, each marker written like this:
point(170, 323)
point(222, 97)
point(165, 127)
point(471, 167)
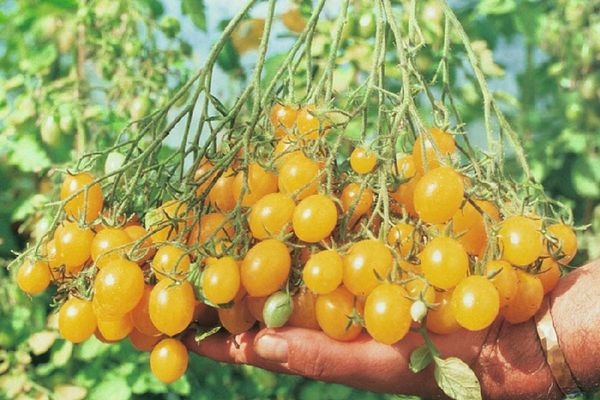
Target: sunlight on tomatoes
point(76, 320)
point(118, 287)
point(387, 313)
point(270, 215)
point(169, 360)
point(366, 262)
point(475, 303)
point(221, 280)
point(109, 244)
point(323, 272)
point(362, 160)
point(314, 218)
point(438, 195)
point(520, 240)
point(88, 206)
point(299, 176)
point(265, 267)
point(444, 262)
point(171, 306)
point(33, 277)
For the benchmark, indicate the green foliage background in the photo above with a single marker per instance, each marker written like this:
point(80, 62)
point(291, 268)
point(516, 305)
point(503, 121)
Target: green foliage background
point(49, 114)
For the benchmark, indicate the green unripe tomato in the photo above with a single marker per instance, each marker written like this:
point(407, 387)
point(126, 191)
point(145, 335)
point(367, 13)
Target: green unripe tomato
point(277, 310)
point(113, 162)
point(50, 131)
point(139, 107)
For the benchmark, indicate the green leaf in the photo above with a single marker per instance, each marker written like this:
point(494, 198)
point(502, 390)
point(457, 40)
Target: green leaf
point(91, 349)
point(585, 174)
point(114, 388)
point(496, 6)
point(196, 11)
point(456, 379)
point(420, 358)
point(40, 59)
point(27, 154)
point(271, 66)
point(62, 355)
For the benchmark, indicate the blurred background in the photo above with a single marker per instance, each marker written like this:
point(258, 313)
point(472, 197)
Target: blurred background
point(74, 73)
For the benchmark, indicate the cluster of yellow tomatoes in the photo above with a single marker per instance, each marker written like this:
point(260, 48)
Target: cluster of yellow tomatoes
point(320, 253)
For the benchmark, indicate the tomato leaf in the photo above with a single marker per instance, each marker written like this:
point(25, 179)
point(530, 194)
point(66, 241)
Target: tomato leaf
point(196, 11)
point(420, 358)
point(456, 379)
point(585, 174)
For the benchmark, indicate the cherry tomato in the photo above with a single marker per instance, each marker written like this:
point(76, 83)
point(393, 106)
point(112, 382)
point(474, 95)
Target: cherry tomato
point(323, 272)
point(265, 268)
point(549, 274)
point(53, 258)
point(89, 205)
point(506, 280)
point(168, 221)
point(438, 195)
point(333, 311)
point(73, 245)
point(418, 289)
point(172, 262)
point(475, 303)
point(171, 306)
point(211, 227)
point(441, 319)
point(303, 311)
point(221, 280)
point(284, 150)
point(387, 313)
point(314, 218)
point(260, 183)
point(366, 262)
point(118, 287)
point(527, 301)
point(270, 215)
point(277, 310)
point(299, 176)
point(362, 161)
point(76, 320)
point(310, 126)
point(143, 251)
point(237, 318)
point(566, 243)
point(443, 141)
point(404, 197)
point(143, 342)
point(140, 315)
point(360, 200)
point(221, 194)
point(109, 244)
point(520, 240)
point(255, 306)
point(115, 328)
point(33, 277)
point(402, 236)
point(444, 262)
point(203, 174)
point(283, 118)
point(169, 360)
point(469, 226)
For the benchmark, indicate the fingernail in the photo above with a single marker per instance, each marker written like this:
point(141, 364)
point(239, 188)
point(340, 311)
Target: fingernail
point(272, 348)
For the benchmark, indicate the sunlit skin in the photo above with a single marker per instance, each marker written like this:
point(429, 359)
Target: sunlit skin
point(33, 277)
point(441, 319)
point(221, 280)
point(304, 313)
point(260, 183)
point(362, 160)
point(520, 240)
point(504, 278)
point(171, 306)
point(333, 310)
point(283, 119)
point(169, 360)
point(527, 301)
point(444, 142)
point(475, 303)
point(387, 313)
point(108, 245)
point(444, 262)
point(270, 215)
point(76, 320)
point(171, 261)
point(438, 195)
point(314, 218)
point(119, 286)
point(140, 315)
point(566, 242)
point(298, 176)
point(402, 236)
point(359, 199)
point(366, 260)
point(265, 267)
point(73, 245)
point(323, 272)
point(88, 206)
